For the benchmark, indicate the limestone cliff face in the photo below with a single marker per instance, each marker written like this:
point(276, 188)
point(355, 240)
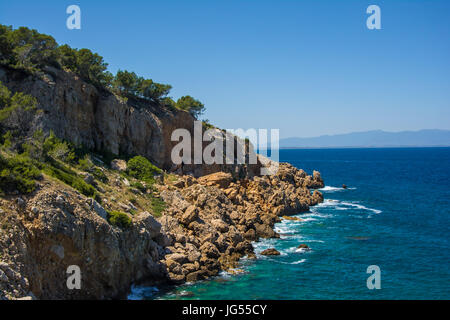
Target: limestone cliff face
point(45, 233)
point(80, 113)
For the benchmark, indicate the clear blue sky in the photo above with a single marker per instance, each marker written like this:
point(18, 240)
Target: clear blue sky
point(305, 67)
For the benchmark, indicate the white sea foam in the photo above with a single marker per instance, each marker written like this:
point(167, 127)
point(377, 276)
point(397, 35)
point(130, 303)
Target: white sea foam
point(331, 189)
point(299, 261)
point(342, 205)
point(319, 241)
point(302, 250)
point(360, 206)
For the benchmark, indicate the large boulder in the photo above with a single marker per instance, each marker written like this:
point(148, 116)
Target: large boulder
point(218, 179)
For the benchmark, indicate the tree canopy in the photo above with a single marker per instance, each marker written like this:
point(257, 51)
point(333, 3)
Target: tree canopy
point(193, 106)
point(29, 50)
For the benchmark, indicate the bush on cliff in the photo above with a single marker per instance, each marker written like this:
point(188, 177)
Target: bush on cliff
point(61, 172)
point(191, 105)
point(140, 168)
point(16, 111)
point(119, 219)
point(128, 84)
point(29, 50)
point(18, 173)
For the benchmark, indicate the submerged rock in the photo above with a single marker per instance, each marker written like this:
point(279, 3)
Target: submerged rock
point(304, 247)
point(270, 252)
point(292, 218)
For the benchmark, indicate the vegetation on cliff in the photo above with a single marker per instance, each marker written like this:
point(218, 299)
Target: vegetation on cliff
point(104, 210)
point(31, 51)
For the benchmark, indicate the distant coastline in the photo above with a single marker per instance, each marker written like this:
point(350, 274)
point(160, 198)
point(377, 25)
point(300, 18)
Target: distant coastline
point(372, 139)
point(368, 147)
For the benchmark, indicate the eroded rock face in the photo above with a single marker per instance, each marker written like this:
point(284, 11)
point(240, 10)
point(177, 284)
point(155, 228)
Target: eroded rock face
point(63, 230)
point(212, 220)
point(100, 121)
point(80, 113)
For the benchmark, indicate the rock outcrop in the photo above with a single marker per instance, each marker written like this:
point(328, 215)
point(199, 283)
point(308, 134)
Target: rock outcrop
point(212, 213)
point(211, 221)
point(270, 252)
point(56, 228)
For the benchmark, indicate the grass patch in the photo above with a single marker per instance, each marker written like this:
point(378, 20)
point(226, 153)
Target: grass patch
point(70, 177)
point(138, 186)
point(119, 219)
point(158, 206)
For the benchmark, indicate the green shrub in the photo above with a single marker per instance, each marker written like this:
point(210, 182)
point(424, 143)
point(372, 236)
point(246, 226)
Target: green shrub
point(18, 173)
point(7, 140)
point(158, 206)
point(58, 149)
point(99, 175)
point(16, 111)
point(142, 169)
point(86, 164)
point(119, 219)
point(70, 177)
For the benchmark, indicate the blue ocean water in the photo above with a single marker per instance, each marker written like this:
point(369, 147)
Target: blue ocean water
point(395, 214)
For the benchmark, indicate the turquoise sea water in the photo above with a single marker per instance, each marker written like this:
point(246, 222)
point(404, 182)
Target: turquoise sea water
point(395, 214)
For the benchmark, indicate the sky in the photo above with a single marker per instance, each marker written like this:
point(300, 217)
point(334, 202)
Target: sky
point(307, 68)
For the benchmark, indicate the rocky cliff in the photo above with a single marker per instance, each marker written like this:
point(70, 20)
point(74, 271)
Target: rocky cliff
point(211, 213)
point(79, 112)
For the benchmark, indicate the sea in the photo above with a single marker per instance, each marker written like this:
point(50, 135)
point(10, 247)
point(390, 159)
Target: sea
point(394, 215)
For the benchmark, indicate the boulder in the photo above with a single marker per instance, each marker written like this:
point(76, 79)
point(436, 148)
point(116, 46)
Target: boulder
point(210, 250)
point(270, 252)
point(177, 257)
point(292, 218)
point(149, 223)
point(218, 179)
point(189, 215)
point(119, 165)
point(97, 208)
point(304, 247)
point(265, 231)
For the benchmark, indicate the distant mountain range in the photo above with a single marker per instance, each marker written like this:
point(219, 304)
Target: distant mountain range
point(375, 139)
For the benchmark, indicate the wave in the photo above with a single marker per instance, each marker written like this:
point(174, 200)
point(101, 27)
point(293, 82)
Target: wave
point(295, 262)
point(342, 205)
point(331, 189)
point(299, 261)
point(361, 207)
point(334, 189)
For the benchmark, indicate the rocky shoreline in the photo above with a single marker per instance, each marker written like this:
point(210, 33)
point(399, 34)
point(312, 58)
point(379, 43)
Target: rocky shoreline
point(211, 221)
point(208, 225)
